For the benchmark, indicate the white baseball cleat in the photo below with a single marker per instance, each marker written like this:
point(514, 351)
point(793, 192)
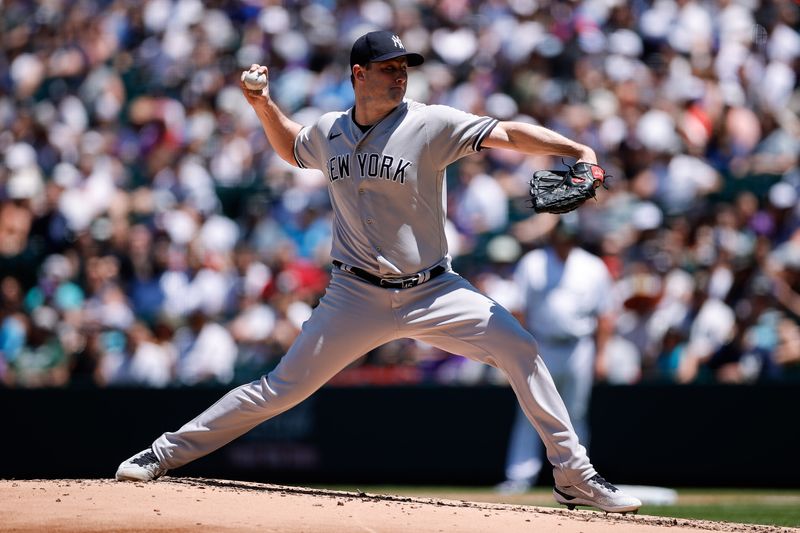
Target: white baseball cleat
point(144, 466)
point(596, 492)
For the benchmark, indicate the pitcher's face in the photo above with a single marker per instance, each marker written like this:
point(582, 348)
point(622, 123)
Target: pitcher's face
point(385, 81)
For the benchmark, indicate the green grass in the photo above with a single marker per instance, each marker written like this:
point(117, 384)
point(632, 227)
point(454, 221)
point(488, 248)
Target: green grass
point(768, 507)
point(777, 507)
point(774, 515)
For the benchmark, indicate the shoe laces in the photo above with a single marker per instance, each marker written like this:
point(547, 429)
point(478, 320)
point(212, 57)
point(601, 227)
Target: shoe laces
point(598, 479)
point(146, 459)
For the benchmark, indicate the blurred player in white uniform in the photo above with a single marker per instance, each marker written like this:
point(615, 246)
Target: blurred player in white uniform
point(564, 300)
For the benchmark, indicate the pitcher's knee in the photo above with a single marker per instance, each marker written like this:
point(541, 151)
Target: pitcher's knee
point(515, 347)
point(523, 343)
point(278, 391)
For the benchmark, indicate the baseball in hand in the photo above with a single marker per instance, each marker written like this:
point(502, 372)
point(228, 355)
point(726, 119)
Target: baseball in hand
point(254, 80)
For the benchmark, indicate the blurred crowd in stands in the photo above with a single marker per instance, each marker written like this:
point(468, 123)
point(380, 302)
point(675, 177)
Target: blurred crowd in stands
point(149, 236)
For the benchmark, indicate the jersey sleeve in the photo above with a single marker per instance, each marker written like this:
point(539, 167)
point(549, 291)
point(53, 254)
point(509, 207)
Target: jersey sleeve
point(307, 147)
point(454, 134)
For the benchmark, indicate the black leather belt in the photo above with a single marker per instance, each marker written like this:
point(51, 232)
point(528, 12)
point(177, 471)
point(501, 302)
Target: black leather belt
point(392, 283)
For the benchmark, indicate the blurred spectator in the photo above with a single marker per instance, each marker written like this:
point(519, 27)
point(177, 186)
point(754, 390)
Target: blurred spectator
point(784, 267)
point(481, 205)
point(206, 351)
point(40, 361)
point(708, 326)
point(55, 287)
point(140, 361)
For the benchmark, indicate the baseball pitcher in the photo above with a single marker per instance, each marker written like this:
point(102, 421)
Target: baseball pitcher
point(385, 160)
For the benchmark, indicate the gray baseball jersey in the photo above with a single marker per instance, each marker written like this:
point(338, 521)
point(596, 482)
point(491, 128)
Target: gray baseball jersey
point(387, 184)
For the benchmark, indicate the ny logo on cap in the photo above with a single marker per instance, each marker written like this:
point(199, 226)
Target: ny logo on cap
point(397, 42)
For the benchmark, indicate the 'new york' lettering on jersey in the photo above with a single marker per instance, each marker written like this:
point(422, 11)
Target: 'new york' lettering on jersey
point(387, 185)
point(372, 165)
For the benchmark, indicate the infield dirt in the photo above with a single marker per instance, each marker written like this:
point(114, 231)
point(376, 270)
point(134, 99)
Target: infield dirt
point(205, 505)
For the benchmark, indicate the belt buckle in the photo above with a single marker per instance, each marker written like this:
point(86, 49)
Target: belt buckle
point(407, 283)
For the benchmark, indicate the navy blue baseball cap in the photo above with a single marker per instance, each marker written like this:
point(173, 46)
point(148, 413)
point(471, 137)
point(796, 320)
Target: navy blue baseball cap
point(381, 46)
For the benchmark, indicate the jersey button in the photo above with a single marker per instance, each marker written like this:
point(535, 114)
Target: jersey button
point(377, 248)
point(361, 191)
point(370, 221)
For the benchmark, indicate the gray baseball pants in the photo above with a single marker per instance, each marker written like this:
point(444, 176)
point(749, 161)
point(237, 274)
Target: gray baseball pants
point(355, 317)
point(571, 366)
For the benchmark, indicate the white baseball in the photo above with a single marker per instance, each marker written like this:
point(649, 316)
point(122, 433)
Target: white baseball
point(255, 81)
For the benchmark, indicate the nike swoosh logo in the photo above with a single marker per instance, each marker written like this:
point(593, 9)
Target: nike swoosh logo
point(590, 494)
point(334, 135)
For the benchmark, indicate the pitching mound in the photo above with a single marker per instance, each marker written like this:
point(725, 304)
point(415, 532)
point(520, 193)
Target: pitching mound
point(190, 504)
